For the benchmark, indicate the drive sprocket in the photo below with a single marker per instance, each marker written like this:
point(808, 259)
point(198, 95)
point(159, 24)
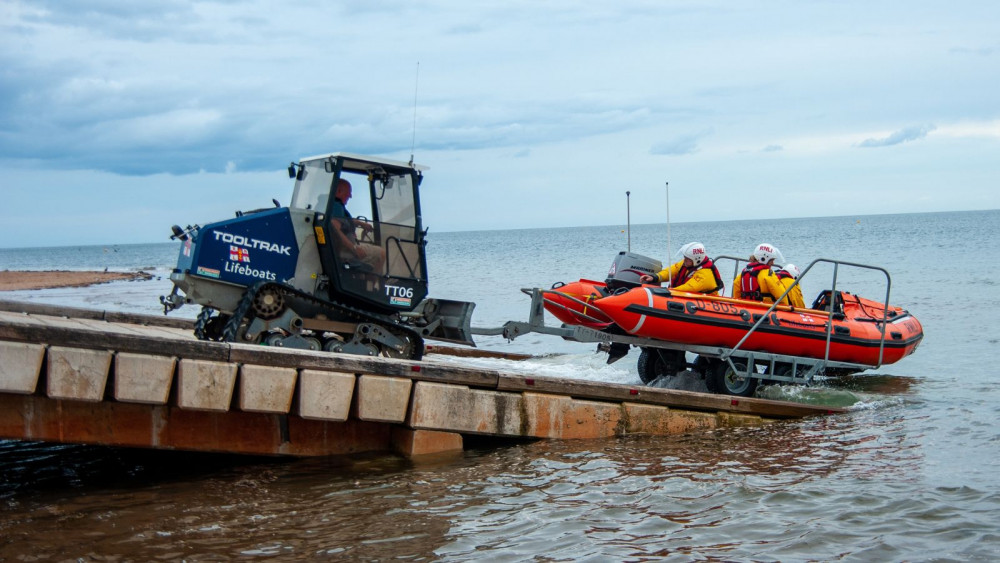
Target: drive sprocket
point(268, 303)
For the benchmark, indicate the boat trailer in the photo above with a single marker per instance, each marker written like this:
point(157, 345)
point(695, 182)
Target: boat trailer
point(739, 370)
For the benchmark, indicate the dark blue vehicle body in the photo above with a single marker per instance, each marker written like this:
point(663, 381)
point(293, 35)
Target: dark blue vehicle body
point(244, 250)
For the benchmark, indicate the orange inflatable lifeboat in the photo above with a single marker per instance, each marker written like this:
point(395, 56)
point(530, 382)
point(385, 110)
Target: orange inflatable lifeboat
point(706, 320)
point(571, 303)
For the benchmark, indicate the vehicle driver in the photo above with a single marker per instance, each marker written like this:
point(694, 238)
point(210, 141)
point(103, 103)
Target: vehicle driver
point(344, 226)
point(696, 273)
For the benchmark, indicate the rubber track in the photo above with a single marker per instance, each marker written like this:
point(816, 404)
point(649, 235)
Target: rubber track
point(339, 309)
point(201, 322)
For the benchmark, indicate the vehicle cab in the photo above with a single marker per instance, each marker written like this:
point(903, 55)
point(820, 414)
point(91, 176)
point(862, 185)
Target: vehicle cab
point(372, 253)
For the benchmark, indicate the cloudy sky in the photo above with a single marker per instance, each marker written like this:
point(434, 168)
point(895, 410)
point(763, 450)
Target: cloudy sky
point(118, 119)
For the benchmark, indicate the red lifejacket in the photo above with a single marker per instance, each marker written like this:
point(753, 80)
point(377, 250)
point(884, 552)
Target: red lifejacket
point(749, 286)
point(783, 275)
point(685, 273)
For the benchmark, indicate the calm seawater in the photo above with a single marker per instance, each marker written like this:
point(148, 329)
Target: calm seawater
point(909, 473)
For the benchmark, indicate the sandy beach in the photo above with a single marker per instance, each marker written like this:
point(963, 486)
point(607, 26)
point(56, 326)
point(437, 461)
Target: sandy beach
point(16, 280)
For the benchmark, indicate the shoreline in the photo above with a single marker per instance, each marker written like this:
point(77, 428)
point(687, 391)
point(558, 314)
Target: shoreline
point(52, 279)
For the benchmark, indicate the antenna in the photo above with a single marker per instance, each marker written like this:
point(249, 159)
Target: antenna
point(628, 218)
point(413, 141)
point(670, 282)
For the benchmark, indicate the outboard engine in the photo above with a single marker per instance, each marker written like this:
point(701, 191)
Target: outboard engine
point(628, 267)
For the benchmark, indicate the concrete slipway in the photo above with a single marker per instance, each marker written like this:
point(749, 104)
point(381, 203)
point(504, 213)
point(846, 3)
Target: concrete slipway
point(94, 377)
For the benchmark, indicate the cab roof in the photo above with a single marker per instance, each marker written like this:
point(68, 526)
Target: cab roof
point(362, 163)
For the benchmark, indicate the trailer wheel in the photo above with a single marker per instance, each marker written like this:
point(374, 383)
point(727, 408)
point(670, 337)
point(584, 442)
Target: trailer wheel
point(784, 369)
point(725, 380)
point(655, 363)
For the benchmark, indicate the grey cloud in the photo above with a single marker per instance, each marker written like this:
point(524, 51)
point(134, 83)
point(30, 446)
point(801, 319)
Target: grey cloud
point(169, 128)
point(388, 7)
point(457, 125)
point(130, 115)
point(902, 136)
point(208, 22)
point(981, 51)
point(64, 118)
point(175, 87)
point(680, 146)
point(138, 21)
point(464, 29)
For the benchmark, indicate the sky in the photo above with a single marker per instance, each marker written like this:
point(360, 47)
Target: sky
point(119, 119)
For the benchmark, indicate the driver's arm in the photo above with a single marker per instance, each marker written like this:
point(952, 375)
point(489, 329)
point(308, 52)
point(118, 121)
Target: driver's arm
point(343, 241)
point(365, 225)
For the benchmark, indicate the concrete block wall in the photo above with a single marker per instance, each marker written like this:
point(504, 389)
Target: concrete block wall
point(20, 366)
point(339, 410)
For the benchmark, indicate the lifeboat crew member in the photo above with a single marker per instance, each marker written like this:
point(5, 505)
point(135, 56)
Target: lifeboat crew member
point(787, 275)
point(757, 281)
point(696, 273)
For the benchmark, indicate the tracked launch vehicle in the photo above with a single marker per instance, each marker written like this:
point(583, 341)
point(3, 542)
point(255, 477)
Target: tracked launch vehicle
point(297, 276)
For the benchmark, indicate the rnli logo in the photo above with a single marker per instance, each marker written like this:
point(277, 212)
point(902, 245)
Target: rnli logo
point(699, 251)
point(237, 254)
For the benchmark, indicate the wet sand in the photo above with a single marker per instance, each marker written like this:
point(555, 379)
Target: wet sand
point(16, 280)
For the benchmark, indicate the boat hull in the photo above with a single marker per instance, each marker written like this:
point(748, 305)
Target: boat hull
point(571, 303)
point(719, 321)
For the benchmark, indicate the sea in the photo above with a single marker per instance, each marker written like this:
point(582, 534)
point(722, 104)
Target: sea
point(908, 473)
